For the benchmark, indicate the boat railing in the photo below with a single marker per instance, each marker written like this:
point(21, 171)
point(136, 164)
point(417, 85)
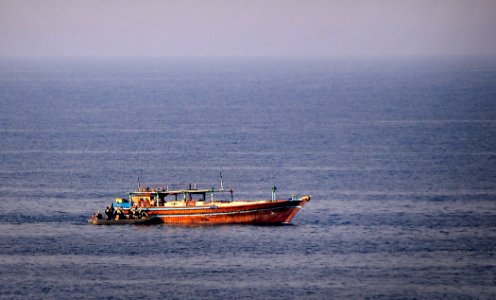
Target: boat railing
point(208, 188)
point(156, 187)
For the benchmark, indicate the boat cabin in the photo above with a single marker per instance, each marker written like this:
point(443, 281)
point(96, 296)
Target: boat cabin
point(148, 197)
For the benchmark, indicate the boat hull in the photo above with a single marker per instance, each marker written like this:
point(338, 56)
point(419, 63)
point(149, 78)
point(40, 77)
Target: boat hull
point(143, 221)
point(270, 212)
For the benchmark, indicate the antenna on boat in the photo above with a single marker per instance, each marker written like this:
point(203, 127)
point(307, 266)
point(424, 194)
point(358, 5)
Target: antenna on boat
point(141, 174)
point(221, 183)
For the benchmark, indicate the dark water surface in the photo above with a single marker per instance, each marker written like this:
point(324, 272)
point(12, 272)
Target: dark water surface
point(399, 155)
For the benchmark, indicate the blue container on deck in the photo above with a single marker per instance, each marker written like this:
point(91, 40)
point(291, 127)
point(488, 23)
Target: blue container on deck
point(121, 202)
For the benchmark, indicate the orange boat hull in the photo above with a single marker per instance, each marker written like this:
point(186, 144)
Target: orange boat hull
point(269, 212)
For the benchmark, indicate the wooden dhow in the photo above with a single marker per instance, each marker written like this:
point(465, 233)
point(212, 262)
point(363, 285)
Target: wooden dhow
point(193, 206)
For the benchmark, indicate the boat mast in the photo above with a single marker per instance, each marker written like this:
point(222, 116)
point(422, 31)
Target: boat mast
point(221, 183)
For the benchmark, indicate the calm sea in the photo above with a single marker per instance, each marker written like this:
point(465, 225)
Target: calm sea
point(399, 155)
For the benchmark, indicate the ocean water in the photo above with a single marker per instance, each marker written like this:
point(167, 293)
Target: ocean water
point(399, 155)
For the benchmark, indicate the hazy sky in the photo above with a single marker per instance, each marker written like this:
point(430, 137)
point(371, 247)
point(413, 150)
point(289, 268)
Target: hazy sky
point(107, 28)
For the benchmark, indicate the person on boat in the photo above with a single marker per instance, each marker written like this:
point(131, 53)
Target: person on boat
point(142, 214)
point(99, 215)
point(108, 213)
point(111, 212)
point(119, 215)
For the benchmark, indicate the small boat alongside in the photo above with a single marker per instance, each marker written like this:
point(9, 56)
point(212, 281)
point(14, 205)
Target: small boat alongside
point(128, 221)
point(193, 206)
